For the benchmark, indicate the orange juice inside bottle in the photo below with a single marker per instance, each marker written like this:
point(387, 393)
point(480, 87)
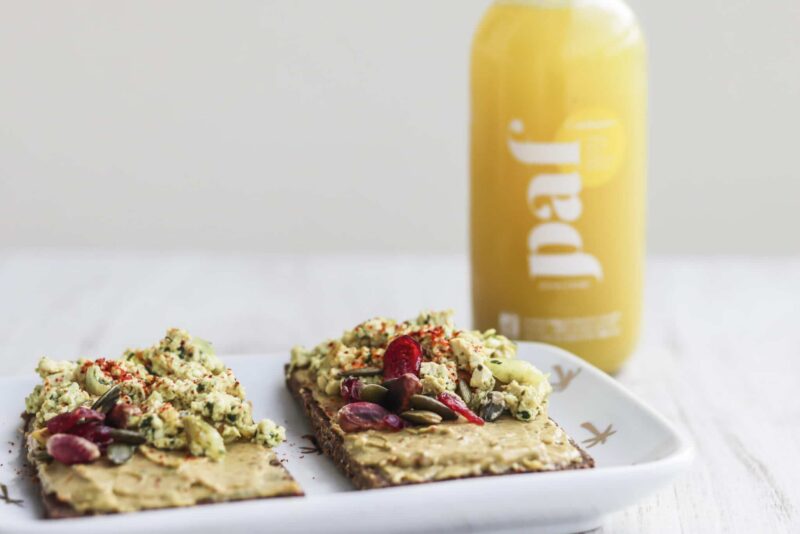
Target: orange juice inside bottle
point(559, 101)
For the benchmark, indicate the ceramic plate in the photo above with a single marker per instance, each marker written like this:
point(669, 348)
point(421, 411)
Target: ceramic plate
point(636, 450)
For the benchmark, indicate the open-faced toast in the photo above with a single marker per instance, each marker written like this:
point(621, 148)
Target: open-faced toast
point(427, 426)
point(162, 427)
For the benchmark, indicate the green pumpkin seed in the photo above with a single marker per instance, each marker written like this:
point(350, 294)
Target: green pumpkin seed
point(120, 435)
point(464, 390)
point(373, 393)
point(42, 456)
point(422, 417)
point(107, 400)
point(423, 402)
point(119, 453)
point(364, 371)
point(493, 406)
point(491, 411)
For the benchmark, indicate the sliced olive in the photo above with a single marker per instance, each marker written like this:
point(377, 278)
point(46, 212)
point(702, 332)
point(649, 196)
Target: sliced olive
point(421, 417)
point(423, 402)
point(373, 393)
point(106, 402)
point(364, 371)
point(119, 453)
point(120, 435)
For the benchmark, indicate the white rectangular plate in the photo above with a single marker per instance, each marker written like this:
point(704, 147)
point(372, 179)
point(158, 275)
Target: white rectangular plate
point(636, 451)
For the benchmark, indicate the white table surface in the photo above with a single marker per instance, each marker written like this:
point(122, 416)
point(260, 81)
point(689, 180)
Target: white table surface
point(720, 353)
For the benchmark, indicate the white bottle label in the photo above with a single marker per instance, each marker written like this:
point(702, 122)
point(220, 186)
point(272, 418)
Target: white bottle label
point(555, 248)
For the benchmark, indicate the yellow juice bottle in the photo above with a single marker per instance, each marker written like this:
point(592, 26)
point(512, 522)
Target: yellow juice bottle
point(559, 101)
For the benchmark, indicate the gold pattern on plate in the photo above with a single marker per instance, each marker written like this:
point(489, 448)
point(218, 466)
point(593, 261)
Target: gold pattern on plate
point(598, 438)
point(4, 496)
point(564, 377)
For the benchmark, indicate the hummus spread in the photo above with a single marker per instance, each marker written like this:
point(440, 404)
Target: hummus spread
point(460, 449)
point(454, 449)
point(162, 479)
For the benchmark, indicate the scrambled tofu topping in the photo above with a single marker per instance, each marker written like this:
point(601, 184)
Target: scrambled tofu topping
point(481, 367)
point(187, 398)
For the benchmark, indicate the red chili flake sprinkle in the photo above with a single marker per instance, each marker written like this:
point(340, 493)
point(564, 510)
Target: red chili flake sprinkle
point(113, 369)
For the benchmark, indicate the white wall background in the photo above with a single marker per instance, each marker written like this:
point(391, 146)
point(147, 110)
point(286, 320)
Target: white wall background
point(297, 125)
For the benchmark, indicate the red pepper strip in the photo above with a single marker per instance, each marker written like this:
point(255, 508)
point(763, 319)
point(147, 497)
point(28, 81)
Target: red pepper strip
point(457, 404)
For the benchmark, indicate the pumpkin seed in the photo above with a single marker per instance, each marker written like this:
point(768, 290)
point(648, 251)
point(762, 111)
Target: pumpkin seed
point(106, 402)
point(42, 456)
point(364, 371)
point(120, 435)
point(493, 406)
point(464, 391)
point(119, 453)
point(423, 402)
point(373, 393)
point(422, 417)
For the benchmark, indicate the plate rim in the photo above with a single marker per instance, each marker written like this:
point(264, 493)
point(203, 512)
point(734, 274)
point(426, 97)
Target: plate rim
point(671, 464)
point(684, 451)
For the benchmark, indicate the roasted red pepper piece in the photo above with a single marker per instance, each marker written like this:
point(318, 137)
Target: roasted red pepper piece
point(457, 404)
point(403, 355)
point(95, 432)
point(67, 421)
